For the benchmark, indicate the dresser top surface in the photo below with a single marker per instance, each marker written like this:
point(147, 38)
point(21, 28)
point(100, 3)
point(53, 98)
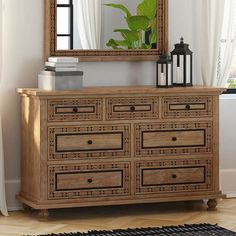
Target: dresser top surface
point(122, 90)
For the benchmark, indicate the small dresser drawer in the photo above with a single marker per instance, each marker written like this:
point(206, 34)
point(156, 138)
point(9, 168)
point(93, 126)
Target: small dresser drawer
point(89, 180)
point(95, 141)
point(156, 139)
point(75, 109)
point(187, 107)
point(170, 176)
point(132, 108)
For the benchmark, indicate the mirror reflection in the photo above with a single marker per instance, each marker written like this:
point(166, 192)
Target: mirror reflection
point(106, 24)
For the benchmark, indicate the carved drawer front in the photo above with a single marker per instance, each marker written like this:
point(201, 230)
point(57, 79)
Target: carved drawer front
point(187, 106)
point(173, 176)
point(173, 138)
point(75, 109)
point(88, 180)
point(131, 108)
point(95, 141)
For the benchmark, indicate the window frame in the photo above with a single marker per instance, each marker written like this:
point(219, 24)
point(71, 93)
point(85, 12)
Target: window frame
point(71, 21)
point(230, 91)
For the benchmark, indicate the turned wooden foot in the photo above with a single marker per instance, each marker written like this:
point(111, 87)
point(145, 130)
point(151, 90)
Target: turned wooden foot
point(212, 203)
point(26, 207)
point(43, 214)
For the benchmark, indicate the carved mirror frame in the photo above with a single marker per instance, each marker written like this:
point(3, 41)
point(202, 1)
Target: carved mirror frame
point(106, 54)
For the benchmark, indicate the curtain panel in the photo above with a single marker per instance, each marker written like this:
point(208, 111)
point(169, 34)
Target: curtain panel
point(88, 14)
point(3, 207)
point(211, 22)
point(217, 34)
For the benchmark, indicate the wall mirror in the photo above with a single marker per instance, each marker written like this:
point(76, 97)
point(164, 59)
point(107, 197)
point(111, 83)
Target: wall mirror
point(106, 30)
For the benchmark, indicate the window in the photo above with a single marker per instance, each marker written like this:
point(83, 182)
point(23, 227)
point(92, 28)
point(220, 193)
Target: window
point(228, 40)
point(231, 82)
point(64, 24)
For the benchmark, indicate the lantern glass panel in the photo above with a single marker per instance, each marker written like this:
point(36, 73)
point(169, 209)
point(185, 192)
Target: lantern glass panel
point(169, 74)
point(188, 69)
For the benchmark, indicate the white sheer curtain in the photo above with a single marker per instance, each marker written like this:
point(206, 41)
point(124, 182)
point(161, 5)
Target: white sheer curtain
point(212, 12)
point(89, 23)
point(228, 42)
point(3, 207)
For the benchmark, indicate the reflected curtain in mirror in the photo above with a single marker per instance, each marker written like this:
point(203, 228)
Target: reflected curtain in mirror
point(88, 21)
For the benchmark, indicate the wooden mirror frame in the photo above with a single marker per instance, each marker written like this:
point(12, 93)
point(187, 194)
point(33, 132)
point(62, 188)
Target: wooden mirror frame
point(106, 54)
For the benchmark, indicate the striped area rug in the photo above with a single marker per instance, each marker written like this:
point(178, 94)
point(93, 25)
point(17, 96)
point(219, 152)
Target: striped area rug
point(182, 230)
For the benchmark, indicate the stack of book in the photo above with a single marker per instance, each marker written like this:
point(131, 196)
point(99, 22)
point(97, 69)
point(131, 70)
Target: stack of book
point(62, 64)
point(61, 73)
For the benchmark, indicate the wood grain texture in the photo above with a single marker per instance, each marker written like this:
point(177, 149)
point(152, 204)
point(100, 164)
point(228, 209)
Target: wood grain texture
point(124, 90)
point(160, 150)
point(115, 217)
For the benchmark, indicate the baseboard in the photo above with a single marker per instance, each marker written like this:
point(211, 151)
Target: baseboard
point(227, 183)
point(227, 186)
point(12, 189)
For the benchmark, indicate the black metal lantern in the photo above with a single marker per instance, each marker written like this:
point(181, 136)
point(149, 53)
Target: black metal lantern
point(164, 70)
point(182, 58)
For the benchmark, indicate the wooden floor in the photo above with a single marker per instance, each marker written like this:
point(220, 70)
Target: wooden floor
point(84, 219)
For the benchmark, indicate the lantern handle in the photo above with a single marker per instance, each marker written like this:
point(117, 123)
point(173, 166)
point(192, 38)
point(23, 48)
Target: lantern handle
point(182, 40)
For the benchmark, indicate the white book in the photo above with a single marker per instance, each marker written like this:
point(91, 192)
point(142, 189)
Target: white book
point(60, 69)
point(61, 64)
point(63, 59)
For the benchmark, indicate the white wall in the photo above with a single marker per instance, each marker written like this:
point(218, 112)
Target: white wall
point(23, 58)
point(228, 144)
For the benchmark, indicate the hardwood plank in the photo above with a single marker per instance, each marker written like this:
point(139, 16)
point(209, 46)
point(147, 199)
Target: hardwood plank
point(98, 218)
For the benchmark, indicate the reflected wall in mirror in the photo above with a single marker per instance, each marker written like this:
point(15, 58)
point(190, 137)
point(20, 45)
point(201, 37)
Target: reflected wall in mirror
point(106, 29)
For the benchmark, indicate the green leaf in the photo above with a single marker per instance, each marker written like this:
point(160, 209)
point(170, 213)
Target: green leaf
point(147, 8)
point(153, 36)
point(128, 35)
point(112, 43)
point(115, 43)
point(146, 46)
point(121, 7)
point(137, 23)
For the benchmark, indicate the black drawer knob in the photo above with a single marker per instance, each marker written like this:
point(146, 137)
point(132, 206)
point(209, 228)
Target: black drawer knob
point(132, 108)
point(174, 139)
point(174, 176)
point(90, 142)
point(187, 107)
point(90, 180)
point(75, 109)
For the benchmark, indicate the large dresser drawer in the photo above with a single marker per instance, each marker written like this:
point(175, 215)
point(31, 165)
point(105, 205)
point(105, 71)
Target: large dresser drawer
point(187, 106)
point(173, 138)
point(89, 180)
point(132, 108)
point(95, 141)
point(173, 176)
point(81, 109)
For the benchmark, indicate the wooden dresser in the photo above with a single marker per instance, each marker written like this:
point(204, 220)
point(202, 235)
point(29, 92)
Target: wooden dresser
point(119, 145)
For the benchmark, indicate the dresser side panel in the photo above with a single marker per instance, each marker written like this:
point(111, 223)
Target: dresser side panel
point(30, 147)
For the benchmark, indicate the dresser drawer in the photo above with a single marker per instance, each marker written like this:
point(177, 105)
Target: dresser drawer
point(178, 175)
point(74, 109)
point(89, 180)
point(132, 108)
point(172, 139)
point(95, 141)
point(155, 139)
point(187, 106)
point(173, 175)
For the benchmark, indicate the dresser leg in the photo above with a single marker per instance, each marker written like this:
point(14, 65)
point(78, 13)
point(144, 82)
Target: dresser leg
point(26, 207)
point(212, 203)
point(43, 214)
